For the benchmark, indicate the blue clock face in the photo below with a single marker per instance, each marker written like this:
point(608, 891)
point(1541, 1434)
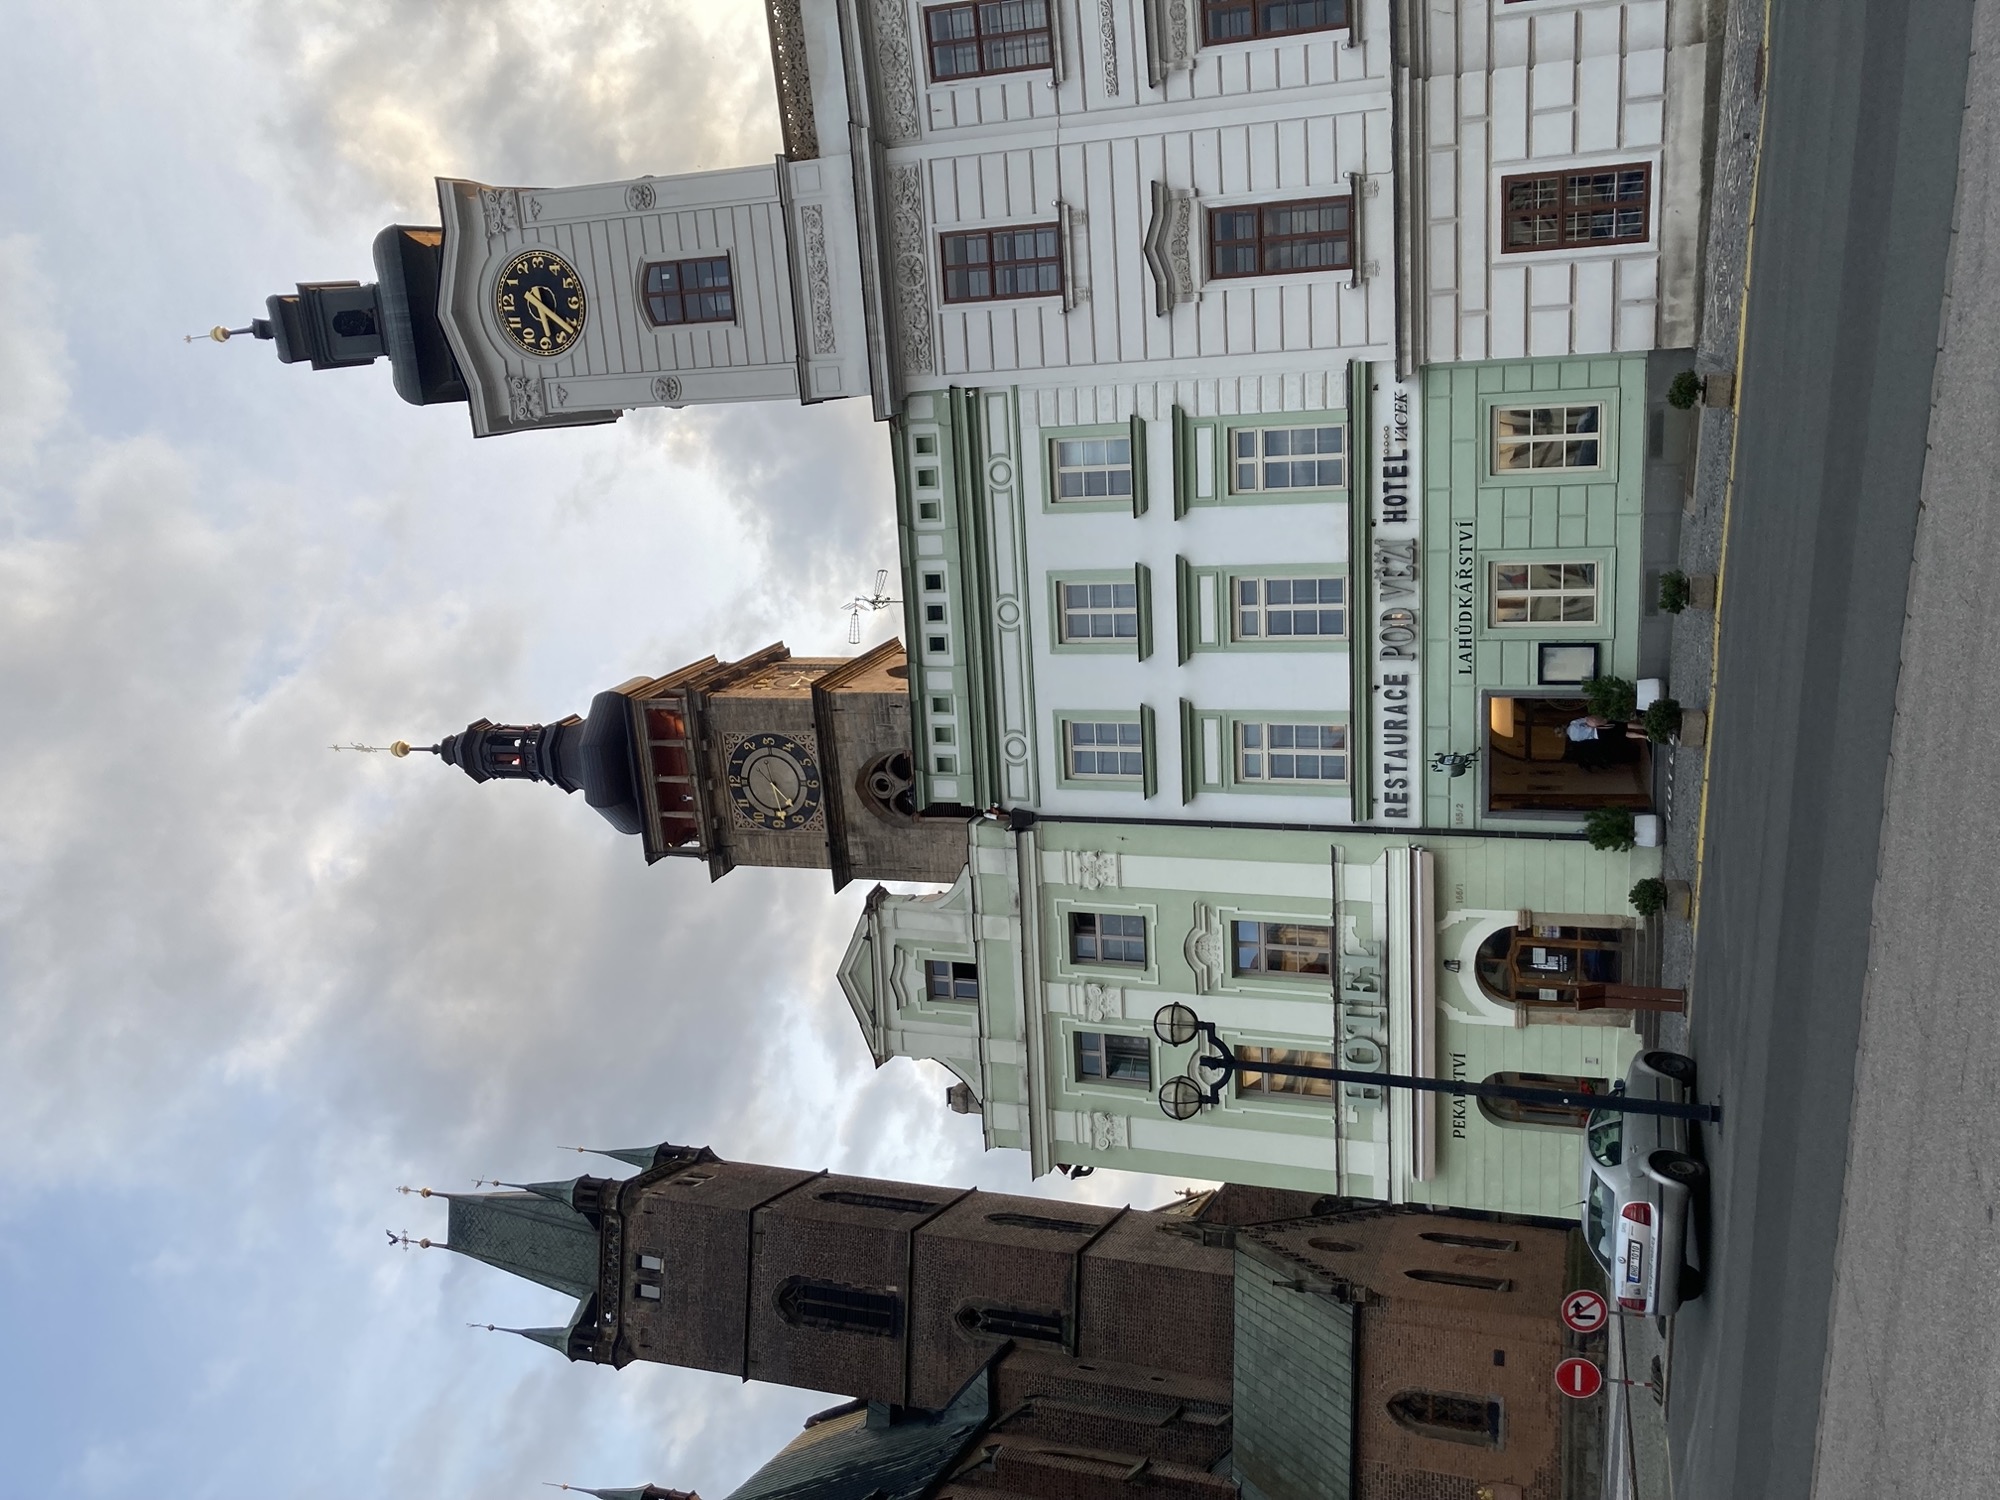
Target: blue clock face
point(774, 782)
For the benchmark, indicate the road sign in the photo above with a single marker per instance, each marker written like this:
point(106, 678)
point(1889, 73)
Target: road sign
point(1579, 1379)
point(1585, 1311)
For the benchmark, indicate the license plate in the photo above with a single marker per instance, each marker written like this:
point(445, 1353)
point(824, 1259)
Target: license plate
point(1635, 1261)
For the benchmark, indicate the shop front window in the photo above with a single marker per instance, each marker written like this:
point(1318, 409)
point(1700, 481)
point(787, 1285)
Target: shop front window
point(1548, 965)
point(1542, 755)
point(1522, 1112)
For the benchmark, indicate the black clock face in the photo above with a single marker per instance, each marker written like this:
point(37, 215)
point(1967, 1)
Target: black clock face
point(774, 782)
point(539, 301)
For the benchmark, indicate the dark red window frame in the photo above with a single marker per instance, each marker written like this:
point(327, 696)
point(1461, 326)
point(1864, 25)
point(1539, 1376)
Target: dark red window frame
point(986, 37)
point(985, 265)
point(1577, 207)
point(678, 292)
point(1266, 239)
point(1246, 20)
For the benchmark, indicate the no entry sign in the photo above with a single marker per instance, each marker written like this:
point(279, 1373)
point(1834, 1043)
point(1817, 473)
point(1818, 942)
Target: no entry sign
point(1585, 1311)
point(1579, 1379)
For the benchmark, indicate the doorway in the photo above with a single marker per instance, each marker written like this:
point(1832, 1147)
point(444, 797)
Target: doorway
point(1532, 765)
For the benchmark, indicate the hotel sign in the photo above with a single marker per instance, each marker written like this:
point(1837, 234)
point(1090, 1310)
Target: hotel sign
point(1396, 579)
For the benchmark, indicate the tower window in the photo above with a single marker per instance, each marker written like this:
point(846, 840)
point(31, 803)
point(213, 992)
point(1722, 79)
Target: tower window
point(689, 291)
point(648, 1291)
point(355, 323)
point(1041, 1222)
point(988, 265)
point(951, 979)
point(1456, 1419)
point(881, 1201)
point(988, 36)
point(1469, 1241)
point(832, 1305)
point(651, 1263)
point(1460, 1278)
point(1012, 1323)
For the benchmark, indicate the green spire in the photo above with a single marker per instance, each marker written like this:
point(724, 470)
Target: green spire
point(532, 1234)
point(645, 1158)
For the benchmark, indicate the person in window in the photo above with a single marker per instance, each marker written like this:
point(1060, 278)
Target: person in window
point(1588, 735)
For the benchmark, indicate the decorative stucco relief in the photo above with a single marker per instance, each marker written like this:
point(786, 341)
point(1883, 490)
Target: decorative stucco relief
point(1205, 949)
point(667, 388)
point(502, 207)
point(641, 196)
point(1107, 45)
point(524, 398)
point(909, 268)
point(794, 79)
point(1107, 1131)
point(1168, 247)
point(1093, 869)
point(819, 276)
point(1102, 1002)
point(896, 66)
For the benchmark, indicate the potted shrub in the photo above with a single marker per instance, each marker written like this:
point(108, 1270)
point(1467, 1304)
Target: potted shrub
point(1610, 828)
point(1675, 592)
point(1685, 390)
point(1662, 720)
point(1649, 896)
point(1613, 698)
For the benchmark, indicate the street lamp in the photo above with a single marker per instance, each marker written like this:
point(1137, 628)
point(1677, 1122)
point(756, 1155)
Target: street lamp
point(1183, 1097)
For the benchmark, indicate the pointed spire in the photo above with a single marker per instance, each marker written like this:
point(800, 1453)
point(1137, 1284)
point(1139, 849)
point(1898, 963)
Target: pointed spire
point(645, 1158)
point(637, 1492)
point(555, 1338)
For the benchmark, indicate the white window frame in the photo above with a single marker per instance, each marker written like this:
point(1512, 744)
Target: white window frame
point(1096, 613)
point(1254, 738)
point(1561, 591)
point(1263, 608)
point(1262, 457)
point(1556, 432)
point(1086, 467)
point(1137, 1046)
point(1132, 749)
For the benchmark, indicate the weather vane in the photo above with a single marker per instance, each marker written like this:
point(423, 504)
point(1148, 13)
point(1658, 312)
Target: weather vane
point(868, 603)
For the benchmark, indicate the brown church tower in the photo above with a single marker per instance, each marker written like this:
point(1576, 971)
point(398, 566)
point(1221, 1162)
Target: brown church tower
point(797, 762)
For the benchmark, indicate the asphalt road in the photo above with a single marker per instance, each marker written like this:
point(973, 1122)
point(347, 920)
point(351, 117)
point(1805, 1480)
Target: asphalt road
point(1856, 188)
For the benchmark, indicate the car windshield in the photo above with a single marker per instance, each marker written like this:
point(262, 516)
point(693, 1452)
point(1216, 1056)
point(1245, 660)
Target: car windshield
point(1606, 1135)
point(1600, 1215)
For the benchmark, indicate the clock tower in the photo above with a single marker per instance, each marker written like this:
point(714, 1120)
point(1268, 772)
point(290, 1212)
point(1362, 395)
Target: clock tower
point(797, 762)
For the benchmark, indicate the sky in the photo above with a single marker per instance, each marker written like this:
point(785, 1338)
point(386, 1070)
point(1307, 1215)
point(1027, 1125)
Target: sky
point(250, 985)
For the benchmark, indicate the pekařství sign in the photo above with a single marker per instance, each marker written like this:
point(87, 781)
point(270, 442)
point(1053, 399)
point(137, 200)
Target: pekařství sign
point(1395, 566)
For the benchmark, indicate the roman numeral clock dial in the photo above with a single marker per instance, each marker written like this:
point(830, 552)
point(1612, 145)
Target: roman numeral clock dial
point(774, 782)
point(539, 302)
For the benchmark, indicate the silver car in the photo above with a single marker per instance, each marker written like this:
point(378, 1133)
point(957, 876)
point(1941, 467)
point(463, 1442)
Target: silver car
point(1638, 1182)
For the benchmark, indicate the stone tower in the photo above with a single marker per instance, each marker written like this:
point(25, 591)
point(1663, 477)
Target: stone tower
point(797, 762)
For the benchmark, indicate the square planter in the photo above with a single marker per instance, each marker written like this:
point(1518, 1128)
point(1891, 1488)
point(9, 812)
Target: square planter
point(1694, 728)
point(1719, 389)
point(1646, 830)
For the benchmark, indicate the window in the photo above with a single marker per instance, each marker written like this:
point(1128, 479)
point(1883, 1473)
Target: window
point(1269, 459)
point(1524, 1112)
point(1104, 750)
point(1460, 1278)
point(689, 291)
point(1097, 937)
point(1272, 239)
point(1041, 1222)
point(1468, 1241)
point(1291, 752)
point(1283, 948)
point(1456, 1419)
point(831, 1305)
point(651, 1263)
point(648, 1291)
point(882, 1201)
point(1239, 20)
point(1537, 439)
point(933, 583)
point(1564, 210)
point(1109, 1057)
point(991, 36)
point(1334, 1247)
point(1093, 468)
point(1546, 964)
point(1283, 609)
point(951, 979)
point(988, 265)
point(1012, 1323)
point(1531, 593)
point(1250, 1081)
point(1099, 612)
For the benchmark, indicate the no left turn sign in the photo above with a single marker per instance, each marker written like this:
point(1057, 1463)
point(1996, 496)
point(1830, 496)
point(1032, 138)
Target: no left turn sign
point(1584, 1311)
point(1579, 1379)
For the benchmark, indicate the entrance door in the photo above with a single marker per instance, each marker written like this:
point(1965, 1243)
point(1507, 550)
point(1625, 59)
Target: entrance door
point(1532, 765)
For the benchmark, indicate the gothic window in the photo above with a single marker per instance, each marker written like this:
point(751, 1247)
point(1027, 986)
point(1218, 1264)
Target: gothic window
point(992, 265)
point(1109, 1057)
point(1569, 210)
point(1274, 239)
point(1524, 1112)
point(951, 979)
point(888, 786)
point(1282, 948)
point(1042, 1222)
point(1468, 1241)
point(354, 323)
point(1097, 937)
point(1456, 1419)
point(805, 1303)
point(1241, 20)
point(1460, 1278)
point(882, 1201)
point(1250, 1079)
point(688, 291)
point(1012, 1323)
point(988, 36)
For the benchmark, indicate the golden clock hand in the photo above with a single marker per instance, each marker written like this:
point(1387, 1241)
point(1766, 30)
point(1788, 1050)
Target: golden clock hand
point(547, 315)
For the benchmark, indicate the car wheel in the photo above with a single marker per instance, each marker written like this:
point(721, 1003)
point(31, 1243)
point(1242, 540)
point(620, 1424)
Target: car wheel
point(1676, 1167)
point(1693, 1283)
point(1675, 1065)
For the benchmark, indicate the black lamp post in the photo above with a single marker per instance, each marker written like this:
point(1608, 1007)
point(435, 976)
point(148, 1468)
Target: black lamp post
point(1183, 1097)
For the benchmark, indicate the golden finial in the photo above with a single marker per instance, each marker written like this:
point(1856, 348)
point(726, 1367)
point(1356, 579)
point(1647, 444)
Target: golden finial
point(399, 749)
point(420, 1192)
point(220, 334)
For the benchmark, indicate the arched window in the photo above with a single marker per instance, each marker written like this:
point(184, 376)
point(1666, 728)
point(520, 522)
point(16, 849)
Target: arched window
point(1456, 1419)
point(1012, 1323)
point(1468, 1241)
point(878, 1200)
point(1040, 1221)
point(805, 1303)
point(1521, 1112)
point(1546, 965)
point(1459, 1278)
